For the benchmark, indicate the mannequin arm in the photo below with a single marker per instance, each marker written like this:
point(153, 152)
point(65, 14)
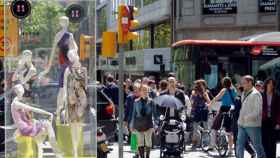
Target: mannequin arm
point(30, 74)
point(73, 44)
point(16, 73)
point(65, 82)
point(30, 108)
point(56, 39)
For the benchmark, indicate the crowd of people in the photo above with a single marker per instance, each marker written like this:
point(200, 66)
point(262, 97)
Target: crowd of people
point(254, 125)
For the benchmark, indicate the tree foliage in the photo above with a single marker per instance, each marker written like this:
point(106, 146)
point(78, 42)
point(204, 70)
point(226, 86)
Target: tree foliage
point(43, 21)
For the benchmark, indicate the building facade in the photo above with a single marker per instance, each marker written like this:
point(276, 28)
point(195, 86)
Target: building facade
point(220, 20)
point(153, 42)
point(224, 19)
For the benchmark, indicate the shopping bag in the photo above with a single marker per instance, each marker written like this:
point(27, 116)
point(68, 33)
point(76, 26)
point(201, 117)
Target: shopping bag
point(64, 141)
point(133, 142)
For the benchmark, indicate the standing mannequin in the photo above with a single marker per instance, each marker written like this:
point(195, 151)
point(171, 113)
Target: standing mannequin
point(75, 96)
point(24, 72)
point(28, 126)
point(65, 42)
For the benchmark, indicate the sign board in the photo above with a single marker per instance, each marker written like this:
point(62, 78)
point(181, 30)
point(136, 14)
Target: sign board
point(219, 7)
point(267, 6)
point(9, 34)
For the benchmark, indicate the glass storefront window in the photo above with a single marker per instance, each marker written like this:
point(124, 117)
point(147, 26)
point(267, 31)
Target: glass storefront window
point(147, 2)
point(48, 109)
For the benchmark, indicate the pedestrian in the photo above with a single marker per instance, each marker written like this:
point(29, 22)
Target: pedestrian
point(259, 86)
point(111, 89)
point(199, 99)
point(227, 96)
point(250, 118)
point(163, 85)
point(144, 112)
point(148, 82)
point(248, 146)
point(129, 104)
point(188, 104)
point(179, 94)
point(270, 118)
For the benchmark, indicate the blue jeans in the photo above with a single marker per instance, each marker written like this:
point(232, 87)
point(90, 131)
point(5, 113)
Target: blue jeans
point(254, 133)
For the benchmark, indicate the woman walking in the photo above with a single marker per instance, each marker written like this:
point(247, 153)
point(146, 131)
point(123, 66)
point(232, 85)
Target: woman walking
point(199, 100)
point(144, 111)
point(270, 118)
point(227, 96)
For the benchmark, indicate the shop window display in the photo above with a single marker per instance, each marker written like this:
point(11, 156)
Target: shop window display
point(47, 104)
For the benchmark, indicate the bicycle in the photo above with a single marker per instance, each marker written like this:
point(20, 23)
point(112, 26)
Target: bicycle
point(222, 140)
point(206, 134)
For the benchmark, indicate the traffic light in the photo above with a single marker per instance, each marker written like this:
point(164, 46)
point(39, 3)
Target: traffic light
point(132, 23)
point(108, 44)
point(85, 43)
point(126, 23)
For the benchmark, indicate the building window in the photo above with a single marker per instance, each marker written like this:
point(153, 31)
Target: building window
point(137, 3)
point(143, 41)
point(102, 21)
point(162, 35)
point(147, 2)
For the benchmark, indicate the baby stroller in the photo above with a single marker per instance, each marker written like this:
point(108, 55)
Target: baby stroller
point(171, 137)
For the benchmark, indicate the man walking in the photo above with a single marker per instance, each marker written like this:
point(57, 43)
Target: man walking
point(250, 118)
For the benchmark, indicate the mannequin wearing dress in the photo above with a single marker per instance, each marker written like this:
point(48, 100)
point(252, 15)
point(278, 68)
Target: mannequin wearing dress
point(28, 126)
point(64, 42)
point(75, 95)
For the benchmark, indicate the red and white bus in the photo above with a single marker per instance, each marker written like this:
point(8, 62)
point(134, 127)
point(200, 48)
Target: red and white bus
point(214, 59)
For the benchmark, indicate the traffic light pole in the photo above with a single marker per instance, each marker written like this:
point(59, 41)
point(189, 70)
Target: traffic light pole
point(121, 99)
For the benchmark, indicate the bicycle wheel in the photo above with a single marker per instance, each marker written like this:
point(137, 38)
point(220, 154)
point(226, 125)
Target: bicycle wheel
point(205, 141)
point(222, 145)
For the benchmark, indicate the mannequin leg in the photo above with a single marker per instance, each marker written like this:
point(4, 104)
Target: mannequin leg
point(59, 104)
point(75, 130)
point(39, 142)
point(52, 139)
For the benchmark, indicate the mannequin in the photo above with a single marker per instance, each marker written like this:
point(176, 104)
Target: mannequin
point(27, 126)
point(76, 100)
point(24, 72)
point(64, 42)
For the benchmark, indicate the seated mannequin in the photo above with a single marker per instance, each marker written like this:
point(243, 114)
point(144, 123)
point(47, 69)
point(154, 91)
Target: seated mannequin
point(28, 126)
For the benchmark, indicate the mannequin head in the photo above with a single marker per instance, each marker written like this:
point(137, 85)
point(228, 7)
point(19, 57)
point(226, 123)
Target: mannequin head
point(19, 90)
point(27, 55)
point(73, 57)
point(25, 58)
point(64, 21)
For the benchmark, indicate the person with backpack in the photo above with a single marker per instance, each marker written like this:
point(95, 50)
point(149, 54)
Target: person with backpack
point(227, 96)
point(143, 118)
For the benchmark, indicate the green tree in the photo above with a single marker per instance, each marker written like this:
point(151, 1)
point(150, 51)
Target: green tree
point(43, 21)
